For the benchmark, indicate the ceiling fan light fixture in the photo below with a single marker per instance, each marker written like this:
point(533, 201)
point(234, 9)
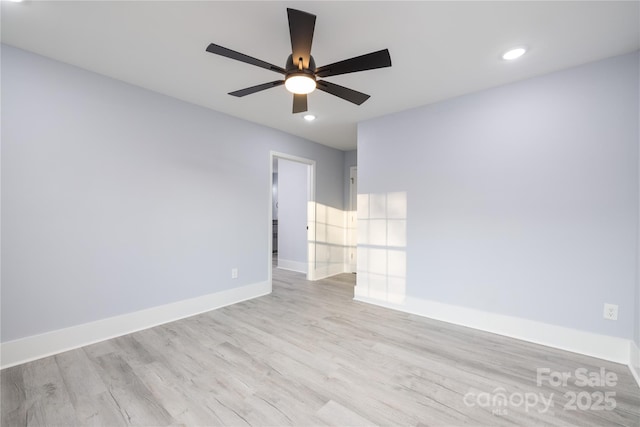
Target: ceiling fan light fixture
point(300, 84)
point(300, 71)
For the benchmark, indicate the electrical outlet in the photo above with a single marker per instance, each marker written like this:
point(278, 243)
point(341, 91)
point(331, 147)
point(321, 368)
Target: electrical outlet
point(610, 311)
point(234, 273)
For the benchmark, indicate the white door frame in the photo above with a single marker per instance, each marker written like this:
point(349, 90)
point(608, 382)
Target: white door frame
point(312, 198)
point(353, 183)
point(352, 218)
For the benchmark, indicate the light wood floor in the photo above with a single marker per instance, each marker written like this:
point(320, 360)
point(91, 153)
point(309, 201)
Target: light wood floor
point(307, 355)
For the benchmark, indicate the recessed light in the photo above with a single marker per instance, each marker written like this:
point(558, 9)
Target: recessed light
point(309, 117)
point(512, 54)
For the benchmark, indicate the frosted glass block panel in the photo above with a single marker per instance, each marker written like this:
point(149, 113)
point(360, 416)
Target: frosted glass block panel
point(378, 261)
point(397, 232)
point(362, 284)
point(378, 286)
point(361, 292)
point(377, 232)
point(396, 290)
point(321, 232)
point(381, 243)
point(397, 205)
point(377, 205)
point(363, 206)
point(363, 232)
point(397, 263)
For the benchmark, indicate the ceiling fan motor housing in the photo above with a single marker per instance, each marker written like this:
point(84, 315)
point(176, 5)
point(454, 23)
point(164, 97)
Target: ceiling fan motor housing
point(297, 69)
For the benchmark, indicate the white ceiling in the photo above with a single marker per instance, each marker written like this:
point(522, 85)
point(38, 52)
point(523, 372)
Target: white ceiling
point(439, 50)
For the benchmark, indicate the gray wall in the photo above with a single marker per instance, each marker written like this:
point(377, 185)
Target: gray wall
point(116, 199)
point(523, 199)
point(293, 198)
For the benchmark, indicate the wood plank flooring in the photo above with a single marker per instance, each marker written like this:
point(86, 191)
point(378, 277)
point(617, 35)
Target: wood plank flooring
point(309, 355)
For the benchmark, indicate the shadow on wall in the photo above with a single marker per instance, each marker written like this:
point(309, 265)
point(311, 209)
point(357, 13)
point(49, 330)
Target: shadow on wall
point(382, 242)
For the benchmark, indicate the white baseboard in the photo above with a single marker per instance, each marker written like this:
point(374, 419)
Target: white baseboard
point(38, 346)
point(318, 273)
point(634, 361)
point(601, 346)
point(287, 264)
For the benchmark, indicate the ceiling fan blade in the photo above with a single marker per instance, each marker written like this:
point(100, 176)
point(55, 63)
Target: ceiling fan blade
point(370, 61)
point(223, 51)
point(301, 26)
point(299, 103)
point(257, 88)
point(342, 92)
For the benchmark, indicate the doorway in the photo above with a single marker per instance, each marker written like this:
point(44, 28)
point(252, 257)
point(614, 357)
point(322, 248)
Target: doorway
point(292, 191)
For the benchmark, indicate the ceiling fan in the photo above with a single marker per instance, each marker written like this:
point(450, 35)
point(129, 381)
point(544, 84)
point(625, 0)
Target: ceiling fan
point(301, 73)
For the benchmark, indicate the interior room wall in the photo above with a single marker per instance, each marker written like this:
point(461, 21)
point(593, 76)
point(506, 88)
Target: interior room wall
point(117, 199)
point(520, 200)
point(293, 199)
